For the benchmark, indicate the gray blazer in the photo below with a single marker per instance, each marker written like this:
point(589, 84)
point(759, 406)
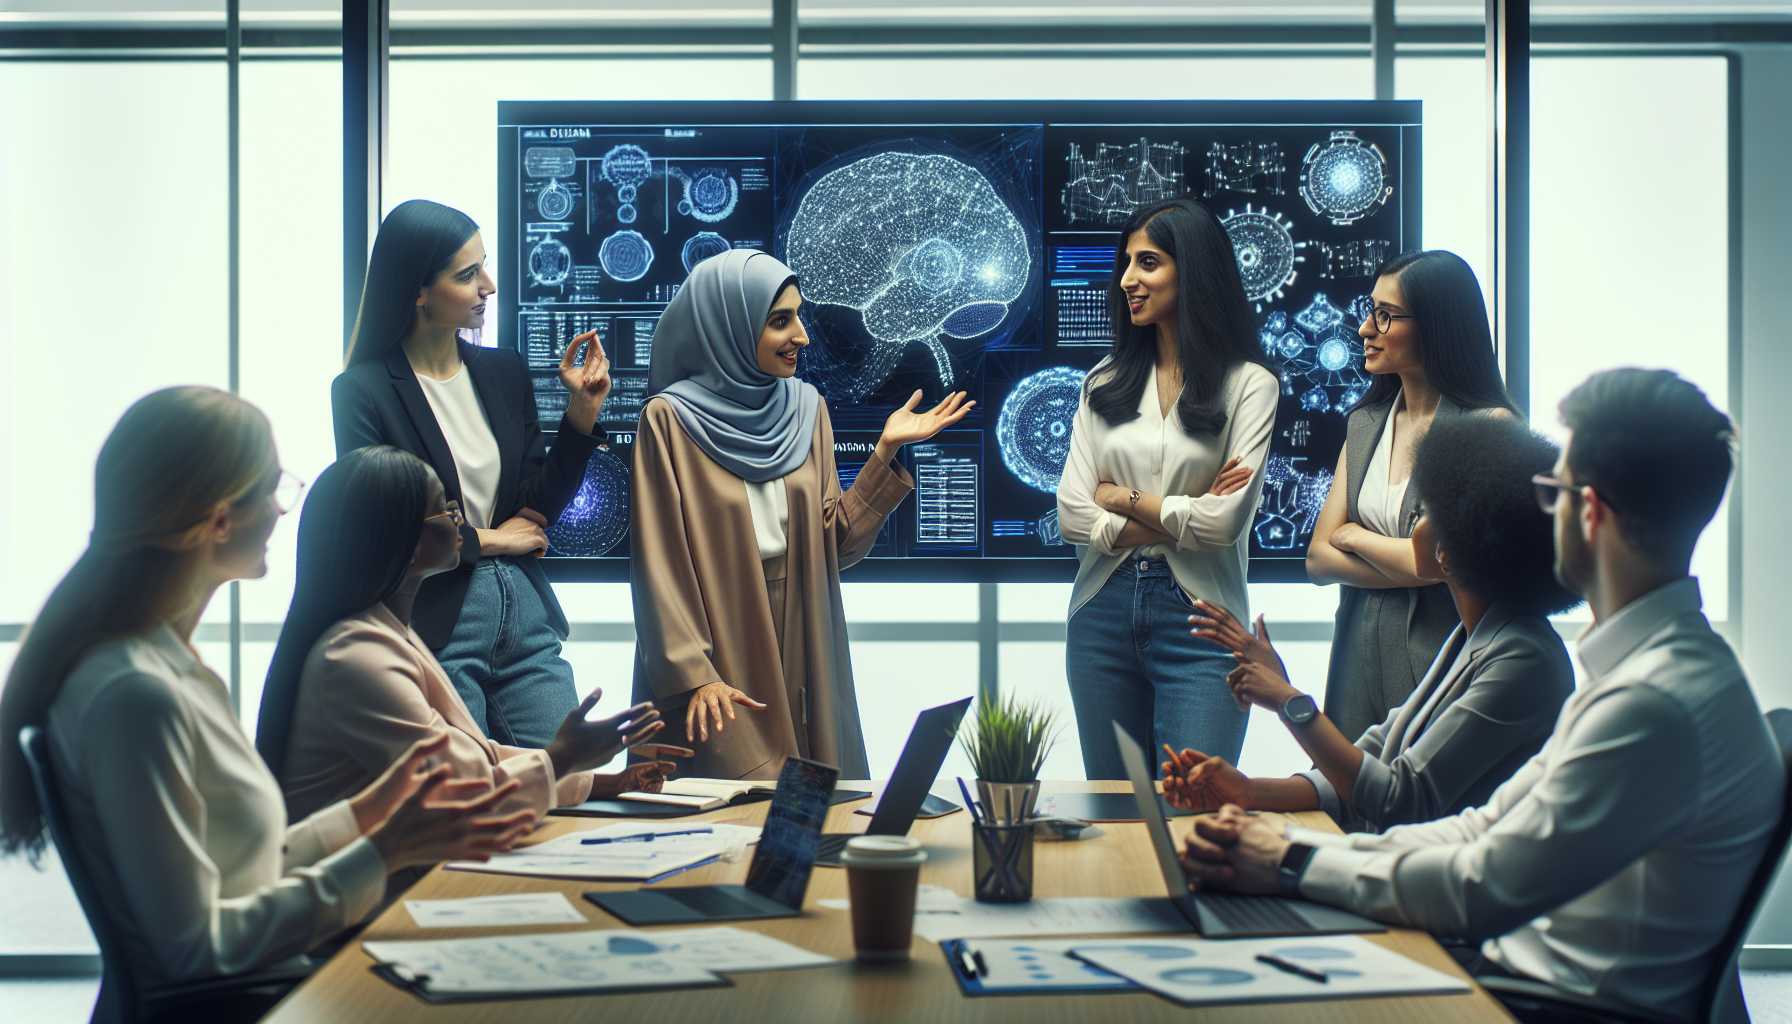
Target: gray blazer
point(1382, 640)
point(1486, 707)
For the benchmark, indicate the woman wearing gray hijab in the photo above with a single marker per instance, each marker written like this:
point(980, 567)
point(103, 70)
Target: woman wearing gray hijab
point(740, 529)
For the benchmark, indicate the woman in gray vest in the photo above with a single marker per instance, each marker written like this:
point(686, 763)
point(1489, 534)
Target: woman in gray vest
point(1428, 346)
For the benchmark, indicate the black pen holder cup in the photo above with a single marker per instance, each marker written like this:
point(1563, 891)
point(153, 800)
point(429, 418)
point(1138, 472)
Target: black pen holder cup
point(1002, 862)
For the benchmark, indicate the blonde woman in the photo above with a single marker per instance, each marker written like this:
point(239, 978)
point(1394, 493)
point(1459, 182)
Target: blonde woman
point(197, 866)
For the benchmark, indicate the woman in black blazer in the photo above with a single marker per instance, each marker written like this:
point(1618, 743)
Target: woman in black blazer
point(470, 413)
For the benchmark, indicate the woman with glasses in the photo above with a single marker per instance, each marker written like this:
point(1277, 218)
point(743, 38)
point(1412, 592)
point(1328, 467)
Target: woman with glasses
point(351, 683)
point(1490, 698)
point(470, 413)
point(1428, 346)
point(179, 822)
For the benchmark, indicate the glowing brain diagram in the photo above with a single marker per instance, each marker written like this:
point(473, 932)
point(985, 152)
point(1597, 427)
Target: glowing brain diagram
point(597, 516)
point(920, 244)
point(1033, 428)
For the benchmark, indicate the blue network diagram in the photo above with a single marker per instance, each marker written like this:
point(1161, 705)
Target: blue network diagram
point(951, 246)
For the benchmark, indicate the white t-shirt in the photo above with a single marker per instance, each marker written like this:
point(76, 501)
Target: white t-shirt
point(770, 506)
point(476, 457)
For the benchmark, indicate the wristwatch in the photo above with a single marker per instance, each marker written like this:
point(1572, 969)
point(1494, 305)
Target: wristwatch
point(1294, 865)
point(1300, 709)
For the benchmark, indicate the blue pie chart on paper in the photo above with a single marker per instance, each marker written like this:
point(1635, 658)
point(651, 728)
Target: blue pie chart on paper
point(626, 946)
point(1206, 976)
point(1314, 953)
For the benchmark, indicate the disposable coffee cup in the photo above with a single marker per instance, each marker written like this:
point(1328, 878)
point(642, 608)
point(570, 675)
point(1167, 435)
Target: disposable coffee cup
point(882, 873)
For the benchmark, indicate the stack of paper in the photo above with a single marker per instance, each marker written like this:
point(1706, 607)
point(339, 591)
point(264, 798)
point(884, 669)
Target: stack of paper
point(585, 961)
point(622, 852)
point(1195, 972)
point(503, 911)
point(938, 919)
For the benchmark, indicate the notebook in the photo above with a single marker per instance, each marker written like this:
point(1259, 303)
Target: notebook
point(706, 794)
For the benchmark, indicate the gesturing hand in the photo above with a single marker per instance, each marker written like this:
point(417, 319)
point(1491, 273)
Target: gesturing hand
point(1196, 782)
point(376, 803)
point(906, 426)
point(440, 822)
point(588, 384)
point(642, 776)
point(709, 704)
point(1214, 622)
point(1231, 477)
point(1254, 683)
point(581, 744)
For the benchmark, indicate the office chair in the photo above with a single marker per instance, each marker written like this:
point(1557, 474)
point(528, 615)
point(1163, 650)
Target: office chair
point(122, 999)
point(1720, 996)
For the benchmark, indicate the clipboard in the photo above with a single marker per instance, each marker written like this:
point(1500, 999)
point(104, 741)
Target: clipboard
point(978, 985)
point(419, 987)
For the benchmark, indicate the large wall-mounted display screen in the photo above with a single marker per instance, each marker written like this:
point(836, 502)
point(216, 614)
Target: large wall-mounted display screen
point(948, 246)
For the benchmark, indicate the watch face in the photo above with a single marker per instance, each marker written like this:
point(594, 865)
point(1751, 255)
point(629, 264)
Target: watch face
point(1301, 709)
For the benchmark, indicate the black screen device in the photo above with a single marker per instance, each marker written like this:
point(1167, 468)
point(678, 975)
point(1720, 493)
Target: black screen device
point(916, 768)
point(778, 877)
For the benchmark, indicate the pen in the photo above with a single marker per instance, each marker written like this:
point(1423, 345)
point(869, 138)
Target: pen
point(407, 975)
point(965, 961)
point(646, 837)
point(1290, 967)
point(969, 804)
point(982, 967)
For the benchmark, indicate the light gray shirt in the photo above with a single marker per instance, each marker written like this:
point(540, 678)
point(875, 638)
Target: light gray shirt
point(1611, 864)
point(184, 826)
point(1485, 708)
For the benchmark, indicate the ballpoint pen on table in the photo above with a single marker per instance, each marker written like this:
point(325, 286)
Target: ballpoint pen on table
point(646, 837)
point(1290, 967)
point(965, 960)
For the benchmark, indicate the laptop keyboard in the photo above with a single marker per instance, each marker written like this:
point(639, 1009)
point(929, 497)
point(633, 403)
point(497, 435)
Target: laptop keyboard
point(1254, 913)
point(714, 901)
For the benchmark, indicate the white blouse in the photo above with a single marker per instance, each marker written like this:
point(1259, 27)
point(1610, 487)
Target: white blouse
point(477, 460)
point(183, 826)
point(769, 504)
point(1153, 454)
point(1378, 501)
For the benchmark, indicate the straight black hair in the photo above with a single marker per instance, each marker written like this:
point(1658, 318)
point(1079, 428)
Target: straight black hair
point(358, 535)
point(416, 242)
point(1214, 328)
point(1455, 344)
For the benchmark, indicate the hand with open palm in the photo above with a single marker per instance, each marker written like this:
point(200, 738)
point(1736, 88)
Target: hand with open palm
point(907, 426)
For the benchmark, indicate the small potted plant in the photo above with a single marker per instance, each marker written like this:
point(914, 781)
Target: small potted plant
point(1007, 743)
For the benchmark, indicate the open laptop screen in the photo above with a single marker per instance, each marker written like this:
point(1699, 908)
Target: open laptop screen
point(786, 853)
point(1136, 770)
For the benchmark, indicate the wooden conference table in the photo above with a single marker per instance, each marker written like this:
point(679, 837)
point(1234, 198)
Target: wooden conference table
point(1119, 863)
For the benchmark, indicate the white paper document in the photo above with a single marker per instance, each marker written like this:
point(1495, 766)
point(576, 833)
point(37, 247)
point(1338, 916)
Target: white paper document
point(522, 964)
point(1077, 916)
point(627, 857)
point(495, 911)
point(723, 949)
point(1198, 972)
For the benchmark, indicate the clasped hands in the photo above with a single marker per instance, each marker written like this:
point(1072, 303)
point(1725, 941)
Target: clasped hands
point(1234, 850)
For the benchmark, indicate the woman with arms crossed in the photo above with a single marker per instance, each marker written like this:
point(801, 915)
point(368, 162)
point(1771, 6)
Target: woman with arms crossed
point(1166, 453)
point(183, 823)
point(739, 528)
point(352, 683)
point(469, 412)
point(1428, 346)
point(1491, 696)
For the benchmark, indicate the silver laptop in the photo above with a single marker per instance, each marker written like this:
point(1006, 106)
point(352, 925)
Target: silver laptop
point(1225, 915)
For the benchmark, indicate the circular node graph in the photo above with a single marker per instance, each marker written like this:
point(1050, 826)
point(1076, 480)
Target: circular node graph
point(701, 246)
point(1033, 428)
point(550, 262)
point(1266, 251)
point(1344, 178)
point(597, 516)
point(555, 201)
point(625, 255)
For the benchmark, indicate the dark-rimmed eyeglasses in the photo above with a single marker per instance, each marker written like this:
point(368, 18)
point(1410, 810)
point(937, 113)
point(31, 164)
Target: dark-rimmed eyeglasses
point(1384, 319)
point(1550, 491)
point(452, 513)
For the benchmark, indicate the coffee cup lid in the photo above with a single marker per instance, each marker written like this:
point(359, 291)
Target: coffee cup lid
point(871, 851)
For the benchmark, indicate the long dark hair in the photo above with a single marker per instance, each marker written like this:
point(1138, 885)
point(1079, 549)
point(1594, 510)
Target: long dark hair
point(1214, 329)
point(415, 243)
point(1455, 344)
point(357, 537)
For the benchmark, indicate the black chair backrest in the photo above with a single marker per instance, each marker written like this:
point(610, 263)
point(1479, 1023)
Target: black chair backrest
point(1719, 985)
point(118, 1000)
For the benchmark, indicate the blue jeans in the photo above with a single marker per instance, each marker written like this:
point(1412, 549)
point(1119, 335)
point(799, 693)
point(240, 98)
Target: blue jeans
point(504, 658)
point(1131, 660)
